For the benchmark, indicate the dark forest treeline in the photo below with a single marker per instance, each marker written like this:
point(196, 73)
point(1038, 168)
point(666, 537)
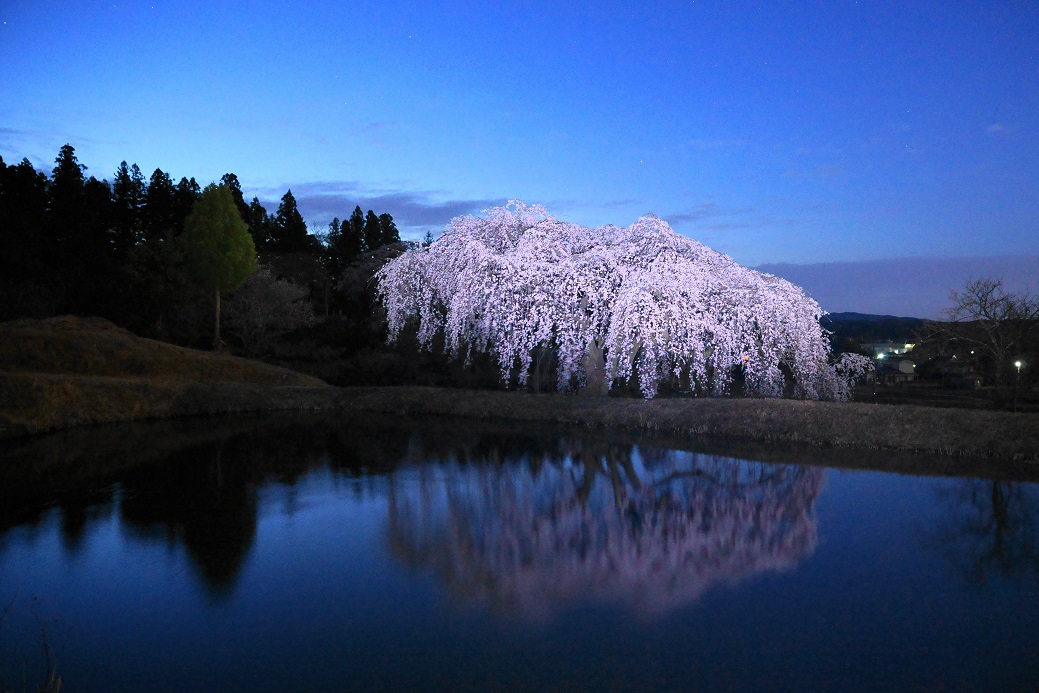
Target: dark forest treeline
point(73, 244)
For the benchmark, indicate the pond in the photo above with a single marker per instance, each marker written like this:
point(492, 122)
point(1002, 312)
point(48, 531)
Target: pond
point(301, 553)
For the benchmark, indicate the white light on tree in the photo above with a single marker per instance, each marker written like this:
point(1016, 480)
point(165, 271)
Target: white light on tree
point(614, 303)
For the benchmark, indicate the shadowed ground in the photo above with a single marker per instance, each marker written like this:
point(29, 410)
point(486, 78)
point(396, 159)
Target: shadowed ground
point(66, 372)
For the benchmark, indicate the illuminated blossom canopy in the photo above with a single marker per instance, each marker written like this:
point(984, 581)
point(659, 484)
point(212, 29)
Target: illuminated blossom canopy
point(641, 302)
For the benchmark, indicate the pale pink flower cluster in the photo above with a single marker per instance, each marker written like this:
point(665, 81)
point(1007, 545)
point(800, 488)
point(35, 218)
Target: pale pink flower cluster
point(657, 304)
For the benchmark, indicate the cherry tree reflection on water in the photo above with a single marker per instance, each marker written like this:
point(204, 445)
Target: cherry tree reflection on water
point(648, 531)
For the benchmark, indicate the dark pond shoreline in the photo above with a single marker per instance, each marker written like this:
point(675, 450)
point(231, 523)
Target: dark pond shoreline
point(82, 457)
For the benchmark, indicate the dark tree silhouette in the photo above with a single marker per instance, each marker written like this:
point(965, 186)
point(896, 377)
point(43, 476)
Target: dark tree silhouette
point(372, 231)
point(232, 183)
point(188, 192)
point(989, 528)
point(290, 230)
point(129, 193)
point(356, 225)
point(261, 226)
point(23, 255)
point(390, 234)
point(63, 225)
point(342, 246)
point(161, 220)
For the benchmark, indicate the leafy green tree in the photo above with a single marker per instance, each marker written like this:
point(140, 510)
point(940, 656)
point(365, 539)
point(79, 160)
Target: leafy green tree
point(372, 231)
point(218, 250)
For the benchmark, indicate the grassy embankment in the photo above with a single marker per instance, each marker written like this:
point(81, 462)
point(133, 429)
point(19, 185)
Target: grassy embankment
point(65, 372)
point(69, 371)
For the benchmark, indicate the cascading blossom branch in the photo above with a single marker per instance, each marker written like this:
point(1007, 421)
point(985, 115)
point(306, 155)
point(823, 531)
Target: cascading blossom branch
point(640, 301)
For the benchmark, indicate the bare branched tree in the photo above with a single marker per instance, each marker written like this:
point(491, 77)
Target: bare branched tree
point(1000, 327)
point(265, 307)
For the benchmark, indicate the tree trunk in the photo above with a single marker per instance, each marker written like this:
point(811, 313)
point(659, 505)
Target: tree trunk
point(595, 371)
point(216, 322)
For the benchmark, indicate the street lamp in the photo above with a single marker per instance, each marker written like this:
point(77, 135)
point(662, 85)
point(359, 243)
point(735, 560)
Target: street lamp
point(1017, 382)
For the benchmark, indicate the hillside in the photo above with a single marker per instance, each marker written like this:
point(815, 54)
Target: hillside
point(67, 371)
point(863, 328)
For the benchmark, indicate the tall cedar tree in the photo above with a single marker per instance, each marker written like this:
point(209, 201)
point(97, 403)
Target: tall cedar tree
point(343, 246)
point(333, 240)
point(128, 197)
point(261, 226)
point(187, 195)
point(231, 181)
point(79, 251)
point(389, 230)
point(65, 212)
point(160, 208)
point(356, 229)
point(290, 231)
point(218, 250)
point(372, 231)
point(23, 202)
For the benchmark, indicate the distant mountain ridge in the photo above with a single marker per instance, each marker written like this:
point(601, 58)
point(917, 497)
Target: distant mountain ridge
point(864, 328)
point(864, 317)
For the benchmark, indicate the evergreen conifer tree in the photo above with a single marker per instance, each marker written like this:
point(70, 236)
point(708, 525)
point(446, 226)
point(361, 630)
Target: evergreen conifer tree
point(128, 197)
point(356, 230)
point(372, 231)
point(160, 208)
point(389, 230)
point(231, 181)
point(290, 230)
point(261, 226)
point(188, 192)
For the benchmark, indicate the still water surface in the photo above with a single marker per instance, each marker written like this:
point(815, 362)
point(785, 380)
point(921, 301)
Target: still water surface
point(276, 555)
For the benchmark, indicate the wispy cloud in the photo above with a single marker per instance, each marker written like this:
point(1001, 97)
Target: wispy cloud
point(39, 145)
point(997, 129)
point(413, 211)
point(704, 212)
point(912, 287)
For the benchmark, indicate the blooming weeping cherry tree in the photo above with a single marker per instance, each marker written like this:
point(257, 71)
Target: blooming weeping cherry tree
point(614, 303)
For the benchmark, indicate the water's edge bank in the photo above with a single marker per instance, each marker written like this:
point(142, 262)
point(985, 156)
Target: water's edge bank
point(39, 403)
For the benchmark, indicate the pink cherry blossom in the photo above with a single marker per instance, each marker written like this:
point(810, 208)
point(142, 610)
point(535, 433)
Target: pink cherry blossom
point(654, 303)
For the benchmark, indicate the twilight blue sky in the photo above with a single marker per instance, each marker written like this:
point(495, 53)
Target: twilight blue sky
point(832, 134)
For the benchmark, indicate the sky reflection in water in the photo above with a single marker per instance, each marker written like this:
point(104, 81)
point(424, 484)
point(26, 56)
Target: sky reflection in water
point(307, 554)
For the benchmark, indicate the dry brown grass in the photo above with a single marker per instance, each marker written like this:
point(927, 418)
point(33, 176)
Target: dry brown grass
point(67, 371)
point(95, 347)
point(70, 371)
point(992, 435)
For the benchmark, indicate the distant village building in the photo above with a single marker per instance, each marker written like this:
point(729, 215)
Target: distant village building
point(887, 348)
point(896, 371)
